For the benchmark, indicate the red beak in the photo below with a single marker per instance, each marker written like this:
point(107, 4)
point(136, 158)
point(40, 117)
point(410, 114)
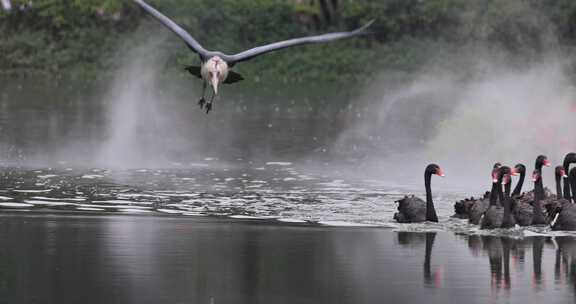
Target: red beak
point(514, 171)
point(440, 172)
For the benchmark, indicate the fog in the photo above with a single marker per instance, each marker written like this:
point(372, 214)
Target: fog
point(463, 109)
point(465, 119)
point(140, 129)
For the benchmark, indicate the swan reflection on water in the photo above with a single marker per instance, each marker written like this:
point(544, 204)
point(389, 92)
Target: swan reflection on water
point(507, 259)
point(431, 278)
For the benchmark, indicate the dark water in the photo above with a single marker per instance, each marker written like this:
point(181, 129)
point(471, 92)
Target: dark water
point(250, 209)
point(50, 258)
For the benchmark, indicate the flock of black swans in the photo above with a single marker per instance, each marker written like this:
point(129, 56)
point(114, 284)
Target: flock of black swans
point(498, 208)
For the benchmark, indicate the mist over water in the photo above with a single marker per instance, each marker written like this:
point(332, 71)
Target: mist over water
point(138, 128)
point(467, 118)
point(464, 110)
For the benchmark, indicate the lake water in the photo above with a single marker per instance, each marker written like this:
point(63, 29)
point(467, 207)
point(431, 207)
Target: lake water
point(55, 258)
point(270, 200)
point(259, 233)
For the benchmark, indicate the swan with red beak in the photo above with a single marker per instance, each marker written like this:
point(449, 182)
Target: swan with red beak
point(215, 67)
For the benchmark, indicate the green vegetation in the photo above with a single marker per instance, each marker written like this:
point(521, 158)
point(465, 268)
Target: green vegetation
point(59, 38)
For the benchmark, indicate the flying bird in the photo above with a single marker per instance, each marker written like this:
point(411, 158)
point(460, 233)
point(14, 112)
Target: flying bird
point(216, 65)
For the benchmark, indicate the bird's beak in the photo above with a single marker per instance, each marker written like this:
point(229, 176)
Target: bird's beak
point(214, 82)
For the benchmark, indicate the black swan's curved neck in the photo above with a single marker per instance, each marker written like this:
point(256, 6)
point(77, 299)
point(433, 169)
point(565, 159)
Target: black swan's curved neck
point(538, 216)
point(494, 194)
point(518, 188)
point(558, 186)
point(567, 188)
point(539, 188)
point(507, 221)
point(430, 211)
point(572, 182)
point(500, 192)
point(566, 164)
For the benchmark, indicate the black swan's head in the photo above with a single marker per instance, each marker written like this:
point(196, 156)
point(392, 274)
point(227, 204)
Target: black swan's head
point(542, 160)
point(434, 169)
point(495, 169)
point(569, 159)
point(519, 169)
point(504, 174)
point(560, 172)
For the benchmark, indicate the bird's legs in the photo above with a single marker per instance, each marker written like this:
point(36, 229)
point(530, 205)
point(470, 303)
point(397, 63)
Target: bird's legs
point(202, 100)
point(209, 104)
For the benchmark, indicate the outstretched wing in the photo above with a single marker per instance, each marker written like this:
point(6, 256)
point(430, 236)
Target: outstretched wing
point(190, 41)
point(257, 51)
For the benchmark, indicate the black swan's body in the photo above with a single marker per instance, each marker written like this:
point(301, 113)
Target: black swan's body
point(478, 207)
point(499, 214)
point(462, 209)
point(412, 209)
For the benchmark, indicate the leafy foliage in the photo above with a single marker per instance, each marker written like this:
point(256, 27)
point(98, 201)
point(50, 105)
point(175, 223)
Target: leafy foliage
point(65, 36)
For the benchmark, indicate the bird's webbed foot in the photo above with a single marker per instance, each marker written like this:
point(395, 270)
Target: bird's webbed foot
point(208, 107)
point(202, 102)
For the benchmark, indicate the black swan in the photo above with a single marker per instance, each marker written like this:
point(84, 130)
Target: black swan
point(570, 158)
point(566, 216)
point(412, 209)
point(555, 203)
point(462, 207)
point(559, 174)
point(528, 206)
point(520, 170)
point(477, 207)
point(499, 215)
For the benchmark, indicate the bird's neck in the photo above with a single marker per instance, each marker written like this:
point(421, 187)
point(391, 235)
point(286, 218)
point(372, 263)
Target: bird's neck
point(572, 182)
point(430, 211)
point(558, 186)
point(518, 188)
point(566, 166)
point(508, 221)
point(539, 188)
point(494, 193)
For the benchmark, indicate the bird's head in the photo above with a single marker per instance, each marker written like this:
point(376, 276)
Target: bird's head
point(217, 72)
